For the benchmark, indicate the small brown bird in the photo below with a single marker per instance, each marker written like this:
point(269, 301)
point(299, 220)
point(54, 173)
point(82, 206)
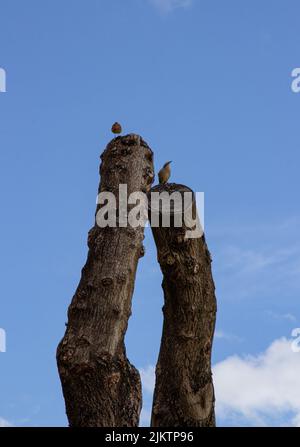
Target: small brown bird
point(164, 173)
point(116, 128)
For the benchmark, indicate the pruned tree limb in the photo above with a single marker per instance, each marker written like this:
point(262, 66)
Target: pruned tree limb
point(100, 386)
point(184, 393)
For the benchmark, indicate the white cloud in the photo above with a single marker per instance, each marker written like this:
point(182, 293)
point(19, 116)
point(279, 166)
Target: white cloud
point(259, 390)
point(5, 423)
point(148, 378)
point(296, 421)
point(166, 6)
point(148, 382)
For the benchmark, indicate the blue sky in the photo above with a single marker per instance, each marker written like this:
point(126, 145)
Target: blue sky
point(208, 85)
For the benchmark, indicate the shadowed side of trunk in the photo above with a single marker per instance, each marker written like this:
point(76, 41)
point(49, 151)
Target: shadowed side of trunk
point(184, 393)
point(100, 386)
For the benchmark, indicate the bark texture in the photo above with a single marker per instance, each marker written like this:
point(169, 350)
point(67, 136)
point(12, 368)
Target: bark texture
point(100, 386)
point(184, 393)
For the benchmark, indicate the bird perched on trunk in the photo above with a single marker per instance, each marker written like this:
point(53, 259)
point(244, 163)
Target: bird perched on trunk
point(116, 128)
point(164, 173)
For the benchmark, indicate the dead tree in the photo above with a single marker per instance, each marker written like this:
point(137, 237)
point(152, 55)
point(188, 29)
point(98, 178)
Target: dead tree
point(184, 393)
point(100, 386)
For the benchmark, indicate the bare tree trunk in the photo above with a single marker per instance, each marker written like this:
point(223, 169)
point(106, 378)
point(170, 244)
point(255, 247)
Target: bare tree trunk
point(100, 386)
point(184, 393)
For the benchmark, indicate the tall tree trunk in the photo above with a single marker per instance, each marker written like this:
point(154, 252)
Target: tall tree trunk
point(184, 393)
point(100, 386)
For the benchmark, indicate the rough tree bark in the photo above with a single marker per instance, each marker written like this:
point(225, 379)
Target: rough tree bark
point(184, 393)
point(100, 386)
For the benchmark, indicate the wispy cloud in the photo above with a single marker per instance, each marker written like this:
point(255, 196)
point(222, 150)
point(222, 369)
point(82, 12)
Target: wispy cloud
point(259, 390)
point(5, 423)
point(249, 261)
point(227, 336)
point(252, 261)
point(258, 229)
point(167, 6)
point(285, 316)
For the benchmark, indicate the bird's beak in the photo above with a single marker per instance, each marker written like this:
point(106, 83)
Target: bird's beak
point(169, 162)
